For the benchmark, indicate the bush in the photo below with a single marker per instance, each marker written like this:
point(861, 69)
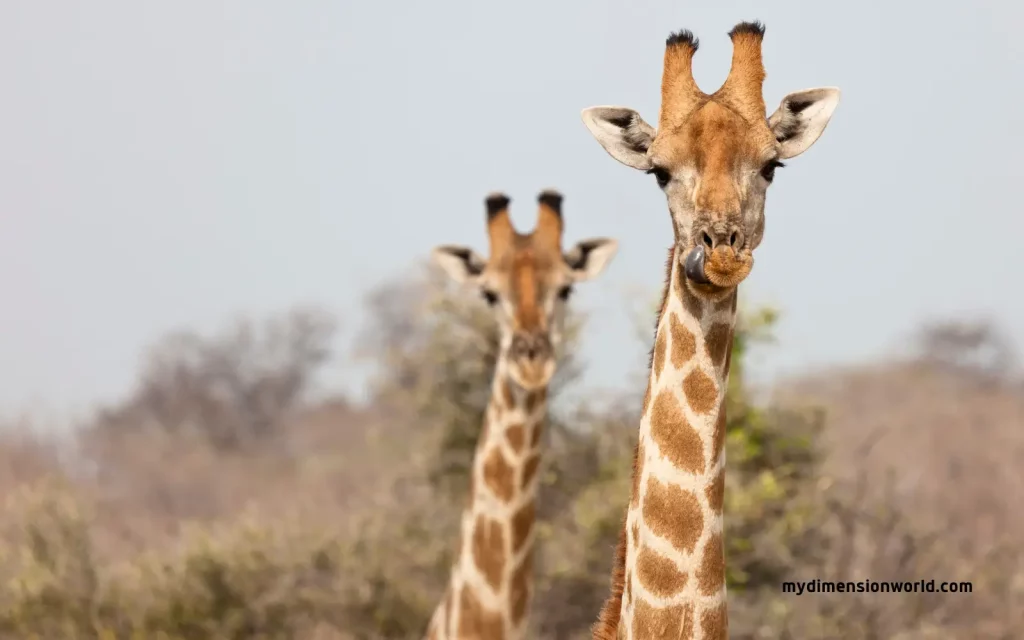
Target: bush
point(216, 502)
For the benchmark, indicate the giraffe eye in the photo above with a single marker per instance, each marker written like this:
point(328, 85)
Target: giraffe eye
point(768, 170)
point(490, 297)
point(660, 175)
point(565, 292)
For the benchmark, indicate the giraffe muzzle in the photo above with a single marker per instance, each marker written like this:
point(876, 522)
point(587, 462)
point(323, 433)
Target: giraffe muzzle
point(532, 359)
point(531, 347)
point(721, 268)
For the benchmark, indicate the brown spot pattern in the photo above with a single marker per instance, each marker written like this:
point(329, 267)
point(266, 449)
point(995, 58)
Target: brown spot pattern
point(660, 344)
point(663, 623)
point(711, 574)
point(638, 468)
point(636, 533)
point(659, 574)
point(677, 440)
point(538, 431)
point(647, 398)
point(522, 524)
point(534, 398)
point(673, 514)
point(714, 623)
point(694, 305)
point(700, 390)
point(716, 342)
point(498, 475)
point(529, 470)
point(477, 621)
point(519, 590)
point(516, 436)
point(684, 345)
point(728, 303)
point(718, 437)
point(728, 362)
point(715, 492)
point(489, 550)
point(506, 392)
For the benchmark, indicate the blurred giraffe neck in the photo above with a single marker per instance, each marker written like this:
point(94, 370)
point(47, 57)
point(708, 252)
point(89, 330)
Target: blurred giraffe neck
point(489, 591)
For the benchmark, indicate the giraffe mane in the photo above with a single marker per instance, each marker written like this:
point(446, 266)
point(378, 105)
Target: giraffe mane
point(664, 301)
point(608, 621)
point(607, 625)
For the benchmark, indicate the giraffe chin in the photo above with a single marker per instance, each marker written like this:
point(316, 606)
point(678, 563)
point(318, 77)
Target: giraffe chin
point(532, 376)
point(723, 269)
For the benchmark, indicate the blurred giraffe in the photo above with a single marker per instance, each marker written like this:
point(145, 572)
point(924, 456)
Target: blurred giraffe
point(526, 281)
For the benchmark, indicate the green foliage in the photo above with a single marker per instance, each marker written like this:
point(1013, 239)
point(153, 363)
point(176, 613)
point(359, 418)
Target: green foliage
point(771, 457)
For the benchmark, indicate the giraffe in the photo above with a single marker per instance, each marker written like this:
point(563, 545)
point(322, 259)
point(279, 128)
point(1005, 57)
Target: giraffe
point(526, 281)
point(714, 156)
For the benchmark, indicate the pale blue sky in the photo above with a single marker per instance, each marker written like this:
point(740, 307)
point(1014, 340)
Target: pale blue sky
point(177, 164)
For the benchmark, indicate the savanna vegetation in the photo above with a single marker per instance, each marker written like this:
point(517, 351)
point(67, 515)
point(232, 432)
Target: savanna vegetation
point(229, 495)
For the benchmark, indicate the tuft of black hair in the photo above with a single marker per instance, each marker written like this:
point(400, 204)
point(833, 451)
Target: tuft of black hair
point(622, 121)
point(461, 253)
point(552, 199)
point(798, 106)
point(683, 37)
point(496, 203)
point(754, 28)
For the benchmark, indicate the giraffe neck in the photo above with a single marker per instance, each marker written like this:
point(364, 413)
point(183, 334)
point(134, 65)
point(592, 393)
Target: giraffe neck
point(671, 548)
point(489, 591)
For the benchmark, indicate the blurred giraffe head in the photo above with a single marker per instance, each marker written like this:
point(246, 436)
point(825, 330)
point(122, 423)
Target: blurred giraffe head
point(714, 155)
point(527, 280)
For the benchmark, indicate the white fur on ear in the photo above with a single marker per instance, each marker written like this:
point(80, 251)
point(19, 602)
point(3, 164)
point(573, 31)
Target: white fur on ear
point(588, 258)
point(801, 118)
point(622, 133)
point(462, 264)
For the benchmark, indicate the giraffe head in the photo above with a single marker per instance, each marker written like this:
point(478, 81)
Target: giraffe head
point(526, 281)
point(714, 155)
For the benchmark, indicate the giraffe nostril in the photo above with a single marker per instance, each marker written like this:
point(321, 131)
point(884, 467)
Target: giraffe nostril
point(708, 241)
point(732, 239)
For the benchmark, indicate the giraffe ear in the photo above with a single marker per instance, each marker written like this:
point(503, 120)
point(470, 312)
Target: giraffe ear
point(801, 118)
point(462, 264)
point(588, 258)
point(622, 133)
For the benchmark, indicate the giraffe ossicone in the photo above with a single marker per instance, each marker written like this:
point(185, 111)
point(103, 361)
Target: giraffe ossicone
point(714, 156)
point(526, 280)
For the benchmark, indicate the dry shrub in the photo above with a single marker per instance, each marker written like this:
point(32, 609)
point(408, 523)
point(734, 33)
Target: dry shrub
point(230, 388)
point(217, 501)
point(923, 483)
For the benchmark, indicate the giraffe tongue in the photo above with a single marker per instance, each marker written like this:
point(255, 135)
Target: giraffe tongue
point(693, 266)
